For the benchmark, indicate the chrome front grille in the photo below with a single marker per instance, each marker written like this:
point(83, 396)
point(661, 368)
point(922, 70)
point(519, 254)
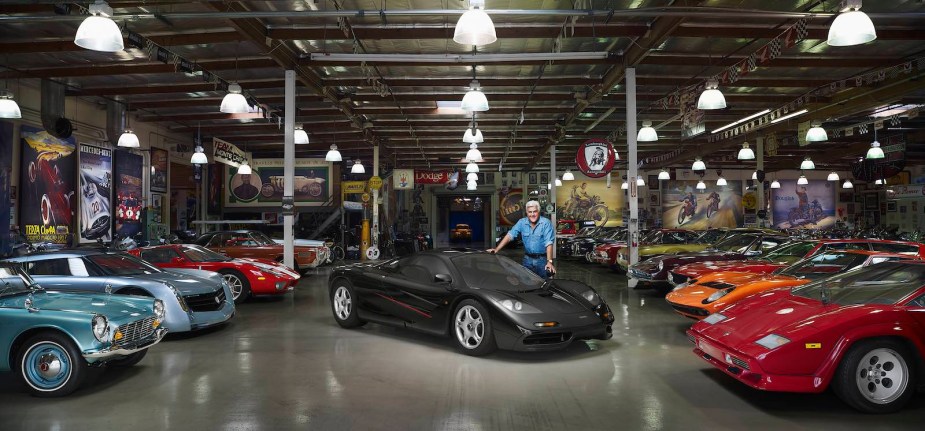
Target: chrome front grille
point(206, 301)
point(137, 330)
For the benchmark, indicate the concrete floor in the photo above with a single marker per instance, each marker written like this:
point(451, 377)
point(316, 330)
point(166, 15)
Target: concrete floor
point(284, 363)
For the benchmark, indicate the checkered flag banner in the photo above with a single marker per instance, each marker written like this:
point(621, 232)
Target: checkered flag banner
point(801, 29)
point(774, 48)
point(862, 129)
point(894, 120)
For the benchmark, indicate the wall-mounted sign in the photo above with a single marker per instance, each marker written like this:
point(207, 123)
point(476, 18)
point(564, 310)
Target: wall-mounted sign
point(375, 183)
point(595, 157)
point(348, 187)
point(429, 177)
point(906, 191)
point(227, 153)
point(403, 179)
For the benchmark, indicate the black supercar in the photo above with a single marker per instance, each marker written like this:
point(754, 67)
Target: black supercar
point(482, 301)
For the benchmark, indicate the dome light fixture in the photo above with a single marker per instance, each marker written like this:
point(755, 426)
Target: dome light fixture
point(711, 98)
point(874, 152)
point(568, 175)
point(879, 182)
point(833, 176)
point(698, 165)
point(664, 175)
point(472, 176)
point(807, 164)
point(775, 184)
point(746, 153)
point(473, 155)
point(701, 185)
point(473, 137)
point(802, 180)
point(472, 185)
point(754, 175)
point(472, 167)
point(333, 154)
point(128, 139)
point(475, 26)
point(647, 133)
point(234, 102)
point(558, 182)
point(625, 185)
point(199, 157)
point(244, 169)
point(98, 32)
point(816, 133)
point(8, 107)
point(640, 182)
point(357, 167)
point(847, 184)
point(852, 27)
point(474, 100)
point(299, 136)
point(720, 181)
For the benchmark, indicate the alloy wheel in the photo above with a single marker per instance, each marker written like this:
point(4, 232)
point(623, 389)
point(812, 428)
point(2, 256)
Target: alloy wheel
point(343, 304)
point(470, 328)
point(882, 375)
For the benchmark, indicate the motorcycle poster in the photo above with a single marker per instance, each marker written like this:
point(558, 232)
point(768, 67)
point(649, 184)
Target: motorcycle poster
point(683, 206)
point(47, 182)
point(808, 206)
point(587, 198)
point(95, 192)
point(264, 186)
point(129, 199)
point(159, 165)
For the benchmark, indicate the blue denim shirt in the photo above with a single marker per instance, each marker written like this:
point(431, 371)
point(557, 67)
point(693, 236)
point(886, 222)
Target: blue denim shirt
point(535, 239)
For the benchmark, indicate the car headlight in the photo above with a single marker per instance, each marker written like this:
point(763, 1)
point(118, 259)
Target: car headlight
point(180, 300)
point(714, 318)
point(512, 305)
point(717, 295)
point(100, 327)
point(516, 306)
point(591, 296)
point(159, 310)
point(772, 341)
point(679, 287)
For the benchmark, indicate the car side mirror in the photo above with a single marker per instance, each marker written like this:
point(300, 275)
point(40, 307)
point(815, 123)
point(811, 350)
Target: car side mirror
point(443, 278)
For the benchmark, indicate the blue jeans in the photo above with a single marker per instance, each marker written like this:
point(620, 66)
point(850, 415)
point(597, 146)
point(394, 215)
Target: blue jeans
point(537, 265)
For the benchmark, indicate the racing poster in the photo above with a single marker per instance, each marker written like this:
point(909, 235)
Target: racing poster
point(6, 172)
point(129, 199)
point(511, 206)
point(587, 198)
point(47, 184)
point(264, 185)
point(808, 206)
point(683, 206)
point(159, 164)
point(95, 188)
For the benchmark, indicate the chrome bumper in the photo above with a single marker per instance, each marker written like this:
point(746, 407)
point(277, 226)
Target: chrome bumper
point(128, 349)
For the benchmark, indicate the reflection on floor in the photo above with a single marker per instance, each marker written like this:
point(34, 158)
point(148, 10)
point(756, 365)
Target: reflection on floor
point(284, 364)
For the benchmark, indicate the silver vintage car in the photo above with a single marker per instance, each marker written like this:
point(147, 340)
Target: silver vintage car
point(193, 299)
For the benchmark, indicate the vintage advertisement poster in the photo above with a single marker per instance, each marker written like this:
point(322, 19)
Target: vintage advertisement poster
point(129, 199)
point(47, 182)
point(683, 206)
point(216, 188)
point(6, 172)
point(404, 179)
point(511, 206)
point(590, 199)
point(264, 186)
point(159, 162)
point(227, 153)
point(95, 193)
point(808, 206)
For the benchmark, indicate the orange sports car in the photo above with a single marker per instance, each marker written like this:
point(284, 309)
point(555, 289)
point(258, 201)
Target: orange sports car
point(718, 290)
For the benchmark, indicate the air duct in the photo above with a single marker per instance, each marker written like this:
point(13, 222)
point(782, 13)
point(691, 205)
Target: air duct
point(115, 121)
point(53, 110)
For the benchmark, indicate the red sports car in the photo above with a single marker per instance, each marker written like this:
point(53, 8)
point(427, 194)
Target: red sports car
point(863, 332)
point(246, 277)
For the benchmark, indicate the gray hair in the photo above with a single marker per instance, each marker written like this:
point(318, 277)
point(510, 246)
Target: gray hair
point(532, 204)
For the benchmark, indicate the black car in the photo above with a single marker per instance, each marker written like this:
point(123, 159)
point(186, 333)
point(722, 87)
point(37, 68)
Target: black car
point(482, 301)
point(584, 247)
point(564, 246)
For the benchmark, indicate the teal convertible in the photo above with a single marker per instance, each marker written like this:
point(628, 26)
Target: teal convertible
point(50, 338)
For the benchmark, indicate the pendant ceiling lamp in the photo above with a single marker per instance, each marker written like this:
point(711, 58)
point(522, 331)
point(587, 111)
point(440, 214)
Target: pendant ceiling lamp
point(807, 164)
point(711, 98)
point(698, 165)
point(299, 136)
point(128, 139)
point(640, 182)
point(357, 167)
point(852, 27)
point(878, 182)
point(754, 175)
point(8, 107)
point(98, 32)
point(746, 153)
point(874, 152)
point(333, 155)
point(472, 167)
point(802, 181)
point(558, 182)
point(664, 175)
point(775, 184)
point(473, 155)
point(475, 26)
point(473, 136)
point(647, 133)
point(701, 185)
point(199, 156)
point(474, 100)
point(244, 169)
point(568, 175)
point(847, 184)
point(625, 185)
point(816, 134)
point(833, 176)
point(721, 181)
point(472, 185)
point(234, 102)
point(472, 176)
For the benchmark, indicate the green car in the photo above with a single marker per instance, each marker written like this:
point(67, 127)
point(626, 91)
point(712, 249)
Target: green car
point(51, 338)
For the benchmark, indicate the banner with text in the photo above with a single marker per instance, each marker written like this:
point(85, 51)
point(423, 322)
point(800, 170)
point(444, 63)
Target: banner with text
point(47, 185)
point(95, 193)
point(227, 153)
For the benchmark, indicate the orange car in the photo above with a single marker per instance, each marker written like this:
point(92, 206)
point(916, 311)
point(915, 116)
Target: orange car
point(718, 290)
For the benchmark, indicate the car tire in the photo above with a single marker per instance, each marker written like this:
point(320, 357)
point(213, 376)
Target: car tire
point(344, 305)
point(472, 330)
point(876, 376)
point(240, 287)
point(128, 361)
point(51, 365)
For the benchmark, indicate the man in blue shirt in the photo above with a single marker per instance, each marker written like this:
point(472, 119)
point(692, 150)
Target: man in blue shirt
point(538, 237)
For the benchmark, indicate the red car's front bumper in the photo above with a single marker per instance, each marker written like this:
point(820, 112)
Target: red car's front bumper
point(271, 285)
point(748, 370)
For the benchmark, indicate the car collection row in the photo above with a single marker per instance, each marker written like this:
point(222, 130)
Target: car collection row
point(785, 314)
point(64, 311)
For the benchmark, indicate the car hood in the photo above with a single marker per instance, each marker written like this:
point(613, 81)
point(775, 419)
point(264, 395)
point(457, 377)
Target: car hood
point(698, 269)
point(561, 296)
point(671, 248)
point(302, 242)
point(187, 281)
point(111, 306)
point(776, 312)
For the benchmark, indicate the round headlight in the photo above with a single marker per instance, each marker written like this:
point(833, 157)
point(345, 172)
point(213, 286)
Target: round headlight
point(159, 310)
point(100, 327)
point(512, 305)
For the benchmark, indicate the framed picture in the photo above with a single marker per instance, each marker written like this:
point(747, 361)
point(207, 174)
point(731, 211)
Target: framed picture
point(902, 209)
point(891, 206)
point(654, 199)
point(871, 202)
point(544, 178)
point(653, 182)
point(532, 178)
point(845, 197)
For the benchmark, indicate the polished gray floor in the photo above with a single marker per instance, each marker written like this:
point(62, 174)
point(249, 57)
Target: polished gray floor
point(285, 364)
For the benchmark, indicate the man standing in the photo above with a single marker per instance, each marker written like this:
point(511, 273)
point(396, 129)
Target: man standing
point(538, 237)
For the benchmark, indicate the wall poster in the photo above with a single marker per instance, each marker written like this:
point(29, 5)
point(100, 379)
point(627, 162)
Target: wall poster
point(810, 206)
point(215, 189)
point(129, 199)
point(683, 206)
point(511, 206)
point(47, 182)
point(6, 195)
point(160, 161)
point(590, 199)
point(95, 194)
point(264, 186)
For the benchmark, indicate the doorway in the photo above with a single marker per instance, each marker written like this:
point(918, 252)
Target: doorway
point(463, 220)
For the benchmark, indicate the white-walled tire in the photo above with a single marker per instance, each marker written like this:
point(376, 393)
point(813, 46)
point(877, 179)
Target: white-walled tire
point(51, 365)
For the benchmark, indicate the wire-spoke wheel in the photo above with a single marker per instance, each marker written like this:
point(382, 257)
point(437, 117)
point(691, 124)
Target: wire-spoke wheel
point(875, 376)
point(343, 304)
point(472, 329)
point(240, 287)
point(51, 365)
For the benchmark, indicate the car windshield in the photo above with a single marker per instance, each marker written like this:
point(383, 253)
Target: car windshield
point(483, 270)
point(650, 237)
point(885, 283)
point(735, 243)
point(788, 252)
point(261, 238)
point(586, 231)
point(196, 253)
point(14, 281)
point(710, 236)
point(619, 235)
point(824, 265)
point(122, 264)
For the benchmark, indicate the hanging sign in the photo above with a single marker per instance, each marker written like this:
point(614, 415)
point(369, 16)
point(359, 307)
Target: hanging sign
point(595, 157)
point(227, 153)
point(353, 186)
point(430, 177)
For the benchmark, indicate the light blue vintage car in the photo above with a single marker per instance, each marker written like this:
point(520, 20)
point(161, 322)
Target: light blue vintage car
point(51, 338)
point(193, 299)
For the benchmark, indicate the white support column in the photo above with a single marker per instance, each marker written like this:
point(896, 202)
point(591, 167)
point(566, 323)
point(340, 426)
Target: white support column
point(759, 156)
point(374, 229)
point(552, 197)
point(289, 167)
point(632, 170)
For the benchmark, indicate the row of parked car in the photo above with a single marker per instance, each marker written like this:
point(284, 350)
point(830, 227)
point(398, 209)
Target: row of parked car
point(64, 311)
point(790, 314)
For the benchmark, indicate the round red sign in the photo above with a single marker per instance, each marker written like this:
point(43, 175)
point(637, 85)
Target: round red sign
point(595, 157)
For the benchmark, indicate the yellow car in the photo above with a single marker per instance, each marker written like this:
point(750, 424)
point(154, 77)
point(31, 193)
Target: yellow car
point(462, 232)
point(665, 241)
